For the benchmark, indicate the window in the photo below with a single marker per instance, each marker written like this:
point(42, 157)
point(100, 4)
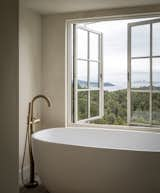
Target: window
point(87, 74)
point(144, 72)
point(116, 72)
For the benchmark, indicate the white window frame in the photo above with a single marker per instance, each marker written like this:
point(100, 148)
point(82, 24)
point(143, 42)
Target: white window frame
point(69, 61)
point(130, 58)
point(100, 73)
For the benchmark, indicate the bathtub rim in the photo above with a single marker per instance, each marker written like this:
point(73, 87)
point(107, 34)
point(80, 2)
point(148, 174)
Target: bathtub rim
point(95, 147)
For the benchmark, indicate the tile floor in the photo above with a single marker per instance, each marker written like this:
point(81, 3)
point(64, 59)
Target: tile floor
point(39, 189)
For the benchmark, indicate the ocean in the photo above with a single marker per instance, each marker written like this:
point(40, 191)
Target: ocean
point(115, 88)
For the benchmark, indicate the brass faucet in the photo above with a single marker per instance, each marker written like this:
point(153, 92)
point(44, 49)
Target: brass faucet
point(31, 121)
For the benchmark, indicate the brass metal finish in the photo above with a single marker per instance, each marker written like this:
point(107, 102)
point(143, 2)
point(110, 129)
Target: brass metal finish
point(31, 121)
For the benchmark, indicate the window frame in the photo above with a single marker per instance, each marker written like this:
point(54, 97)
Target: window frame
point(68, 66)
point(76, 90)
point(129, 73)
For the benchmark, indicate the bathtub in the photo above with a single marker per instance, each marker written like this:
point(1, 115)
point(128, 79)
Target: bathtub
point(85, 160)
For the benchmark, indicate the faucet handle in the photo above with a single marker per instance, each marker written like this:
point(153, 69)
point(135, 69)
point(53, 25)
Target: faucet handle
point(36, 120)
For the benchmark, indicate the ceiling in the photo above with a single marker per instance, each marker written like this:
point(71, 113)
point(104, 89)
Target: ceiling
point(61, 6)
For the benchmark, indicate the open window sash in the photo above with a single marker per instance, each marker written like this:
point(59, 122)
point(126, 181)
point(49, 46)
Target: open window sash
point(87, 78)
point(143, 51)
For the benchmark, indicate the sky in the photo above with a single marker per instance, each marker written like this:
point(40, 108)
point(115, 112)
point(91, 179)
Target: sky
point(115, 48)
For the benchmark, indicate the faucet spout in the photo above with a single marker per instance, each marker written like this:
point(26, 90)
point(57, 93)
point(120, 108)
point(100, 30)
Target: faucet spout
point(34, 120)
point(44, 97)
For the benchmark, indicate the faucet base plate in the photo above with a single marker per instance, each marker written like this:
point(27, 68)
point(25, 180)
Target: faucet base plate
point(31, 184)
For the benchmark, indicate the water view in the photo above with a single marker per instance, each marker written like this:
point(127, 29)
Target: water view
point(115, 53)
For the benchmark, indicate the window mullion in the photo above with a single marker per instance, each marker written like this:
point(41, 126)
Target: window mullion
point(75, 74)
point(101, 91)
point(88, 55)
point(129, 78)
point(151, 83)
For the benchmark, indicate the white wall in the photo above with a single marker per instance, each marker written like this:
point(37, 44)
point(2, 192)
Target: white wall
point(54, 69)
point(9, 96)
point(30, 66)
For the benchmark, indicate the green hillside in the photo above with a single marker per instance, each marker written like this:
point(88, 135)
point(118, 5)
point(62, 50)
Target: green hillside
point(115, 107)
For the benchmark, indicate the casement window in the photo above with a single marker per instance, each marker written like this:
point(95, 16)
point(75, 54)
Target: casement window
point(100, 94)
point(88, 81)
point(144, 72)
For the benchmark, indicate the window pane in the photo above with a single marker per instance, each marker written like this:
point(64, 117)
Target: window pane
point(82, 42)
point(94, 75)
point(140, 74)
point(156, 108)
point(140, 41)
point(156, 39)
point(82, 74)
point(156, 73)
point(82, 105)
point(94, 103)
point(94, 46)
point(140, 107)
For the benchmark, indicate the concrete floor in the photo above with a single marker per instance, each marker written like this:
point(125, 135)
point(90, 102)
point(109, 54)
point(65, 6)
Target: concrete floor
point(39, 189)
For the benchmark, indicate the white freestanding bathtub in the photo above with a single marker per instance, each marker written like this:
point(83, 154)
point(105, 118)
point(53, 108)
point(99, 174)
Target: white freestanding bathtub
point(85, 160)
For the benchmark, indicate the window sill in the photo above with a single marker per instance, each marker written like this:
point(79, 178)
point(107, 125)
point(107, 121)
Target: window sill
point(118, 127)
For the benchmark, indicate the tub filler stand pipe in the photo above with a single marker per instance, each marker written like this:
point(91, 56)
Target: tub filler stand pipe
point(31, 121)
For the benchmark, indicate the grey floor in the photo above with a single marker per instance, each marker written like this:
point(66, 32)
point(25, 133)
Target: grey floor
point(39, 189)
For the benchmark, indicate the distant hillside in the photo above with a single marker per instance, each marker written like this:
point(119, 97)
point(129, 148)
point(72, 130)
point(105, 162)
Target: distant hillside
point(83, 83)
point(147, 88)
point(108, 84)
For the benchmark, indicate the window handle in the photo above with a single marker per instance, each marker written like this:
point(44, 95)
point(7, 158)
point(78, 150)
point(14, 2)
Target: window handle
point(128, 76)
point(101, 76)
